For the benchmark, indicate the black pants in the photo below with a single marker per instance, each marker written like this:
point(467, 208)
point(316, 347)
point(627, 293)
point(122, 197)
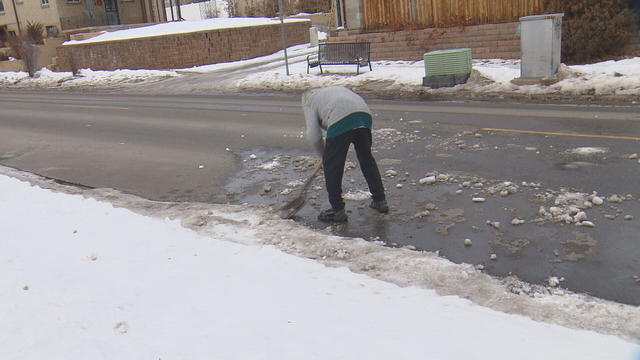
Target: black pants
point(333, 160)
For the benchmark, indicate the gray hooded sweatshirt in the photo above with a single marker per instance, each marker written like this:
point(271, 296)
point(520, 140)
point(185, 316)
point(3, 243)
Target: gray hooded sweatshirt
point(328, 106)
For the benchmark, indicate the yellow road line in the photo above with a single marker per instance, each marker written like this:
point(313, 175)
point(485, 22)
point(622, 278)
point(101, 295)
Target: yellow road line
point(96, 107)
point(564, 134)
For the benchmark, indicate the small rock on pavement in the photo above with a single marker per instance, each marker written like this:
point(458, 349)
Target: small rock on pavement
point(633, 156)
point(609, 216)
point(480, 267)
point(517, 221)
point(468, 242)
point(422, 214)
point(252, 156)
point(597, 200)
point(390, 173)
point(494, 224)
point(458, 191)
point(587, 224)
point(628, 217)
point(580, 216)
point(614, 199)
point(429, 180)
point(267, 188)
point(399, 186)
point(493, 257)
point(478, 200)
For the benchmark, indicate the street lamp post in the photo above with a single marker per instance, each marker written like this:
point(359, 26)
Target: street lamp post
point(284, 37)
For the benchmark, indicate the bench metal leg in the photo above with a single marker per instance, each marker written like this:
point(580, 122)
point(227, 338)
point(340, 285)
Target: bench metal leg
point(320, 69)
point(358, 73)
point(370, 68)
point(307, 68)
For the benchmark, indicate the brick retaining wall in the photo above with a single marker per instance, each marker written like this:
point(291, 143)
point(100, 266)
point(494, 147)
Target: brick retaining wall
point(485, 41)
point(181, 50)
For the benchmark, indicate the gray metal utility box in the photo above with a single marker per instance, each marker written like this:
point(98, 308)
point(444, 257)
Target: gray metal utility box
point(541, 42)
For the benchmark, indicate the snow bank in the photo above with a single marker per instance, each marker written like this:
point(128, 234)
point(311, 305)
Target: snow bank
point(46, 78)
point(79, 286)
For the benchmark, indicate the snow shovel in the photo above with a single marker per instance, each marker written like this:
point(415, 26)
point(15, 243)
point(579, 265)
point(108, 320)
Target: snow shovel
point(292, 207)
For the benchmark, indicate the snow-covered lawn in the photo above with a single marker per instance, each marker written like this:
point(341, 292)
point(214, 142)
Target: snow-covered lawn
point(490, 76)
point(82, 279)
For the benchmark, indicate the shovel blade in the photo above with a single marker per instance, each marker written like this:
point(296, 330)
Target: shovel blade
point(292, 207)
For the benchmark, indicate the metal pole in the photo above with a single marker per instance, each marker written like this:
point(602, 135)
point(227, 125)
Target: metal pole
point(179, 10)
point(284, 37)
point(15, 11)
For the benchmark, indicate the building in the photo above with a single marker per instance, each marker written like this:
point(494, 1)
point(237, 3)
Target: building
point(60, 15)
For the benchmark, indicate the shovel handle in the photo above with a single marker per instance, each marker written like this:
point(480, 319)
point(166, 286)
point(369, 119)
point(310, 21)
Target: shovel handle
point(313, 175)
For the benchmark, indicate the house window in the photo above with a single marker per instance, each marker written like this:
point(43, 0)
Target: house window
point(44, 2)
point(1, 6)
point(73, 1)
point(52, 31)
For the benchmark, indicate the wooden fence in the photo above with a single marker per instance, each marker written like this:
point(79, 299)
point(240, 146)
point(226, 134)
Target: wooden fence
point(404, 14)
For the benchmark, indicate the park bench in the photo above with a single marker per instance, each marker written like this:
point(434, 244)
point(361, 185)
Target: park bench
point(341, 53)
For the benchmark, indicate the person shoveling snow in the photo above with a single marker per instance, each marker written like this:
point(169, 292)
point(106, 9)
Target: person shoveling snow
point(346, 119)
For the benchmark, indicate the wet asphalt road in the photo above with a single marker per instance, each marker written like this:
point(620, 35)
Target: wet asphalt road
point(183, 148)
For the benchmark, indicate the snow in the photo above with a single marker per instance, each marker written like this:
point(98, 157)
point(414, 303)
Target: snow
point(297, 52)
point(269, 74)
point(491, 75)
point(179, 28)
point(86, 77)
point(356, 195)
point(129, 291)
point(98, 281)
point(273, 164)
point(588, 150)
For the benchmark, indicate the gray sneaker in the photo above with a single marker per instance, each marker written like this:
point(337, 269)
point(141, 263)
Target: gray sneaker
point(331, 215)
point(381, 206)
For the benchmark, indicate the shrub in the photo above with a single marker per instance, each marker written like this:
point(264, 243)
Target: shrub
point(35, 32)
point(23, 48)
point(15, 44)
point(593, 29)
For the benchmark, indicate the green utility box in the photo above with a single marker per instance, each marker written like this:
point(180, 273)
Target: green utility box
point(446, 68)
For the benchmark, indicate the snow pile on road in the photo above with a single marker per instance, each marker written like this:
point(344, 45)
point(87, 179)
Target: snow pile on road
point(587, 151)
point(103, 290)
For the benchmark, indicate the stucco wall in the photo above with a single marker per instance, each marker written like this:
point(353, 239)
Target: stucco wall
point(130, 12)
point(181, 50)
point(30, 11)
